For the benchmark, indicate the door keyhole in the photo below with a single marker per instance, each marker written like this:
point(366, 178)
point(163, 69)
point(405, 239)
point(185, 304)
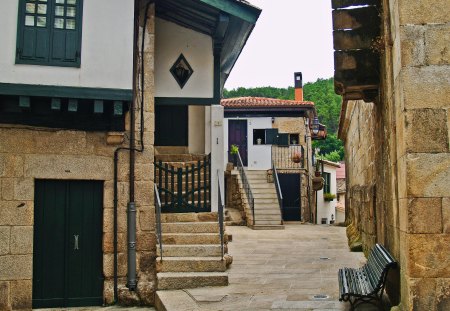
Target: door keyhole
point(75, 244)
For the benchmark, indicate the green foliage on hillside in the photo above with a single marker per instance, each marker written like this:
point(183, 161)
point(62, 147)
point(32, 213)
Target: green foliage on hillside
point(328, 106)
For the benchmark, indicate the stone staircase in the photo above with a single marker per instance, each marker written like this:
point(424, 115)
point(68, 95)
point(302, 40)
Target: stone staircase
point(267, 208)
point(192, 255)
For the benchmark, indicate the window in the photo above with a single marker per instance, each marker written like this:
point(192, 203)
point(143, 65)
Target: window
point(327, 183)
point(294, 139)
point(49, 32)
point(265, 136)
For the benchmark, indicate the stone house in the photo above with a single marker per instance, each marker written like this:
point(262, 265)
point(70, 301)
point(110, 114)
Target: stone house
point(392, 67)
point(89, 93)
point(270, 133)
point(325, 204)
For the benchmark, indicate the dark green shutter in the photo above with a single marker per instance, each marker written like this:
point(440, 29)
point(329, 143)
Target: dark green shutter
point(271, 136)
point(283, 139)
point(49, 45)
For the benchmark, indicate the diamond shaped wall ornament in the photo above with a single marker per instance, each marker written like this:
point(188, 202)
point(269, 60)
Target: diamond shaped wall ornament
point(181, 71)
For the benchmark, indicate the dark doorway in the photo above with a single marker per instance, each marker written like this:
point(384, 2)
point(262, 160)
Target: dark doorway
point(67, 253)
point(237, 135)
point(290, 187)
point(171, 125)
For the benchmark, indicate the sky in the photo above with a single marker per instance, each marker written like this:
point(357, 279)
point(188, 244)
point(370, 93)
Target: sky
point(289, 36)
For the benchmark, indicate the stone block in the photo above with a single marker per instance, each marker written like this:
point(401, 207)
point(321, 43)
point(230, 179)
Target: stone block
point(426, 130)
point(5, 232)
point(61, 142)
point(7, 189)
point(108, 291)
point(426, 87)
point(68, 167)
point(13, 166)
point(423, 11)
point(108, 242)
point(427, 255)
point(425, 215)
point(423, 294)
point(147, 218)
point(144, 193)
point(9, 141)
point(428, 175)
point(5, 301)
point(21, 294)
point(22, 240)
point(443, 294)
point(16, 267)
point(403, 214)
point(412, 45)
point(437, 44)
point(108, 220)
point(446, 215)
point(24, 189)
point(108, 264)
point(147, 263)
point(12, 213)
point(146, 241)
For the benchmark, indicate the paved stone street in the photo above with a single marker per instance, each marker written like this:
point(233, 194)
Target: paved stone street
point(277, 270)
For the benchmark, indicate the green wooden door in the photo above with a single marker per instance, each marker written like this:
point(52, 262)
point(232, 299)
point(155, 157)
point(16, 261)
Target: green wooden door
point(67, 261)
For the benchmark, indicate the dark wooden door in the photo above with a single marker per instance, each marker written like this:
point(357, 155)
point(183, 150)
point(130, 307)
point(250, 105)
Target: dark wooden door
point(171, 125)
point(67, 260)
point(237, 135)
point(290, 188)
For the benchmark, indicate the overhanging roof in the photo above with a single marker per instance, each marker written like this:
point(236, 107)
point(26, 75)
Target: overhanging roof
point(206, 16)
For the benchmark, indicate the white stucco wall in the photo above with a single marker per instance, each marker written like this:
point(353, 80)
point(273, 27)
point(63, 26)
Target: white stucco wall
point(171, 40)
point(327, 208)
point(106, 49)
point(259, 156)
point(197, 129)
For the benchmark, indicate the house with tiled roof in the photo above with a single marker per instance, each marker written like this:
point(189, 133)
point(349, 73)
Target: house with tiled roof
point(273, 139)
point(340, 192)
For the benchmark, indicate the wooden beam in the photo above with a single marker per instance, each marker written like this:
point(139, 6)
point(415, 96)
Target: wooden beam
point(338, 4)
point(356, 60)
point(365, 17)
point(354, 39)
point(241, 10)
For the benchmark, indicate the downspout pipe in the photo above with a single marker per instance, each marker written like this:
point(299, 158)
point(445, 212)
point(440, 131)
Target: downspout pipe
point(131, 206)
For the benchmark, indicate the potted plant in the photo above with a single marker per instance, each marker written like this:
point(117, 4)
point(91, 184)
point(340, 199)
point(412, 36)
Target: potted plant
point(234, 150)
point(329, 196)
point(317, 172)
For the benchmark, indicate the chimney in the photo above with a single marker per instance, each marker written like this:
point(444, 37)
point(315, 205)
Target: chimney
point(298, 86)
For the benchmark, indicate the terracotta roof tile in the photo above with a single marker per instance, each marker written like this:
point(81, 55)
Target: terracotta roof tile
point(243, 102)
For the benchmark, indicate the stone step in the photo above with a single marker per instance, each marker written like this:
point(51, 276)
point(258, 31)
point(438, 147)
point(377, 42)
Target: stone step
point(189, 217)
point(269, 201)
point(267, 227)
point(267, 212)
point(191, 264)
point(255, 173)
point(262, 186)
point(265, 195)
point(191, 250)
point(191, 238)
point(267, 222)
point(190, 227)
point(260, 181)
point(180, 280)
point(264, 191)
point(266, 206)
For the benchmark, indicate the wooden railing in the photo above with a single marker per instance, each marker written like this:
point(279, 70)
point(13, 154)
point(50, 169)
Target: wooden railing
point(288, 157)
point(184, 190)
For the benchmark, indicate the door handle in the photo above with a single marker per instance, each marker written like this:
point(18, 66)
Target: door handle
point(75, 244)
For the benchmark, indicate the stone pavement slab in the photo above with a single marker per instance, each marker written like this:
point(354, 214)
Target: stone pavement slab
point(291, 269)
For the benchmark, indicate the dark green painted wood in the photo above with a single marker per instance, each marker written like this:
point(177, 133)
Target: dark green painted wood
point(243, 11)
point(171, 125)
point(271, 136)
point(283, 139)
point(65, 91)
point(48, 45)
point(62, 275)
point(191, 101)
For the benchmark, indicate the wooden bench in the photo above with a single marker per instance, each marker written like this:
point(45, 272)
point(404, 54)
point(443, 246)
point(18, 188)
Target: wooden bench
point(366, 284)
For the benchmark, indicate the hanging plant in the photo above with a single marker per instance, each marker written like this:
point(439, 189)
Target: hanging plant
point(296, 157)
point(329, 196)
